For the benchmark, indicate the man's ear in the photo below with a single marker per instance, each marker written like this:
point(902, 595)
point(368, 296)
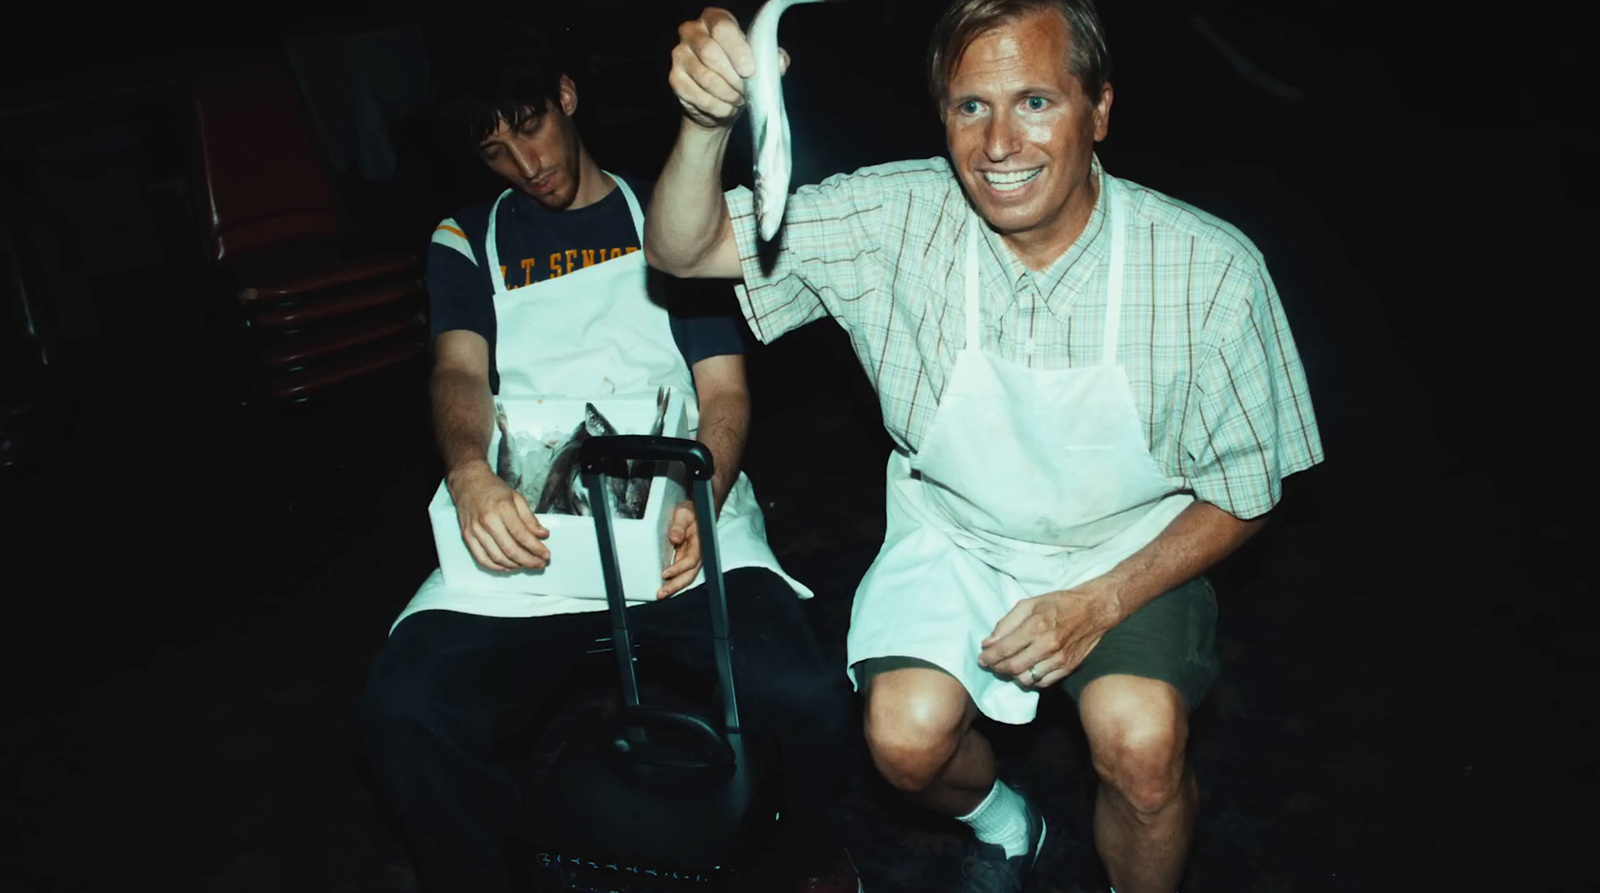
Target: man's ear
point(569, 96)
point(1102, 112)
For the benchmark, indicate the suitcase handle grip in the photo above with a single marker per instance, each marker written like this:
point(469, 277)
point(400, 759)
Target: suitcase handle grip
point(643, 735)
point(609, 455)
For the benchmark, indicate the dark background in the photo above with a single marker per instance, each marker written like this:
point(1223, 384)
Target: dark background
point(196, 585)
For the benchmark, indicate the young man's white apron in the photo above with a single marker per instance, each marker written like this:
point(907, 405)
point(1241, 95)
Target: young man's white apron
point(594, 332)
point(1027, 482)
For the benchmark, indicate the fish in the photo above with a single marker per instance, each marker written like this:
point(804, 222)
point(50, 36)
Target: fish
point(769, 121)
point(642, 473)
point(505, 463)
point(563, 492)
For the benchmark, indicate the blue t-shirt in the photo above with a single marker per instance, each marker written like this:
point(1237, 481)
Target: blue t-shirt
point(536, 244)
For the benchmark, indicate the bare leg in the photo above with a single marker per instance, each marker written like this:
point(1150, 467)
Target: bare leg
point(1146, 804)
point(1145, 853)
point(919, 731)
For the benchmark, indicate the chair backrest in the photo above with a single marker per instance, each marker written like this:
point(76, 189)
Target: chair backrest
point(261, 177)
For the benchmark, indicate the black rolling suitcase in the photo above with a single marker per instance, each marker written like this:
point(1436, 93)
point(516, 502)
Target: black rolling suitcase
point(651, 799)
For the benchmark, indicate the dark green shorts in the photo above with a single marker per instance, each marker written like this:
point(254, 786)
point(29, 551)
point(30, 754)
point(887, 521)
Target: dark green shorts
point(1172, 639)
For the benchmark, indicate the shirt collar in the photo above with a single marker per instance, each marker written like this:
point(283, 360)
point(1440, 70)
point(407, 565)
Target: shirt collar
point(1059, 282)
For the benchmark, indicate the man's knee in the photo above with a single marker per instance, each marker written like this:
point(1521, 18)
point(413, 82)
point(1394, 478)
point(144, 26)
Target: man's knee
point(384, 706)
point(778, 659)
point(1137, 729)
point(398, 707)
point(915, 719)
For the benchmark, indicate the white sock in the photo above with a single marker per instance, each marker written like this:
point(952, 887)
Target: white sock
point(1002, 818)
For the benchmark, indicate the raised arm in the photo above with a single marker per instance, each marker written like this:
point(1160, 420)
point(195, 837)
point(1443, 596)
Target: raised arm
point(687, 231)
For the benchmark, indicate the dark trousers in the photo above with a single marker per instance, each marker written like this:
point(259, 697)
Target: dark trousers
point(449, 688)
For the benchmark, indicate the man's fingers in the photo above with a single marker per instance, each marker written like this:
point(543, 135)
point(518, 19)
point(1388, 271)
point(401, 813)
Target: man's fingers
point(676, 584)
point(1024, 661)
point(478, 553)
point(1053, 677)
point(685, 566)
point(696, 100)
point(525, 512)
point(682, 574)
point(491, 549)
point(710, 66)
point(1006, 646)
point(685, 560)
point(513, 551)
point(1013, 619)
point(685, 538)
point(724, 29)
point(1004, 641)
point(525, 534)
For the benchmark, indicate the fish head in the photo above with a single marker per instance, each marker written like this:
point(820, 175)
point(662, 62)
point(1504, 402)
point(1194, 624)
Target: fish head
point(596, 424)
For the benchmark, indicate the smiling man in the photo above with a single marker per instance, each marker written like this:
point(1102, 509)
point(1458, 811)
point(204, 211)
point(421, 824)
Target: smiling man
point(1094, 397)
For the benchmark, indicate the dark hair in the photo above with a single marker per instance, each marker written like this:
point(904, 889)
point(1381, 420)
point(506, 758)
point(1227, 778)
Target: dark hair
point(510, 85)
point(965, 20)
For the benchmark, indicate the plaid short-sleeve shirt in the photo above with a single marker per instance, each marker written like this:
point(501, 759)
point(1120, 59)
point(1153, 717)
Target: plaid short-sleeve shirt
point(1215, 374)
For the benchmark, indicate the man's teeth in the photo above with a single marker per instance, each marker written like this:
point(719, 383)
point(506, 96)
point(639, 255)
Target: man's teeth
point(1005, 182)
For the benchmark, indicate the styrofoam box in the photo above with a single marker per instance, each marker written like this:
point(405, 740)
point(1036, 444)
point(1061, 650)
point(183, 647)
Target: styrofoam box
point(574, 569)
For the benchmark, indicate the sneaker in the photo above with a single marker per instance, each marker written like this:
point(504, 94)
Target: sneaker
point(987, 870)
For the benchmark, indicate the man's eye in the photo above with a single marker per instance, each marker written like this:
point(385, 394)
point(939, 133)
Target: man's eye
point(970, 107)
point(1036, 103)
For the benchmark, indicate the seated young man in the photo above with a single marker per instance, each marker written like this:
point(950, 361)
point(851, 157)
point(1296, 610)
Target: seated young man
point(544, 291)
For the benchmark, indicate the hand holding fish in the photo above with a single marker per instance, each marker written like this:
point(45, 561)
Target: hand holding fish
point(496, 523)
point(1044, 638)
point(709, 67)
point(684, 535)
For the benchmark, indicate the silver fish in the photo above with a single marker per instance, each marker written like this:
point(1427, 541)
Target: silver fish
point(563, 492)
point(641, 474)
point(505, 463)
point(768, 119)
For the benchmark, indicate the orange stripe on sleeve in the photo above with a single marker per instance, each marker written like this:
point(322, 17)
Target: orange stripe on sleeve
point(450, 229)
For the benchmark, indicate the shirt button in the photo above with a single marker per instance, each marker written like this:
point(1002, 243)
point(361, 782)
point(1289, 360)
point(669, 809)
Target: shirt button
point(1027, 347)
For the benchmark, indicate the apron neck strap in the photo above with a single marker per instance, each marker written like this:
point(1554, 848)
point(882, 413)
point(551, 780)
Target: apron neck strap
point(974, 323)
point(1116, 213)
point(633, 204)
point(1116, 206)
point(491, 246)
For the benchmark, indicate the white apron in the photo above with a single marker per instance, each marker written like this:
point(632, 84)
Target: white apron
point(1028, 481)
point(594, 332)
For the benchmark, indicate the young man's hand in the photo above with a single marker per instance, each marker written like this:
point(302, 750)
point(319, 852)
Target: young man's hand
point(684, 535)
point(496, 523)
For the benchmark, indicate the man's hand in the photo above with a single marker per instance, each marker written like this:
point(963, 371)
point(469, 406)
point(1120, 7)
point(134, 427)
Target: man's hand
point(684, 535)
point(1045, 638)
point(496, 523)
point(709, 67)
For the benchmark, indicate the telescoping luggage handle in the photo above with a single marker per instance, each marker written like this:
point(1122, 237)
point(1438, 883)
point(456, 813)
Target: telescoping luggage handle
point(608, 455)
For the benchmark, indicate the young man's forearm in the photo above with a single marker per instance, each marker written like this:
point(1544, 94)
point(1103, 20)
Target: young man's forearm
point(463, 416)
point(724, 426)
point(688, 218)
